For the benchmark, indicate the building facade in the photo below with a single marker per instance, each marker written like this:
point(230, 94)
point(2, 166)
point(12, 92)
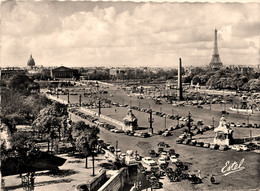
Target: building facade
point(64, 73)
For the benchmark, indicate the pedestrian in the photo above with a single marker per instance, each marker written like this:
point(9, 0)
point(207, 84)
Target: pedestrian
point(213, 179)
point(115, 110)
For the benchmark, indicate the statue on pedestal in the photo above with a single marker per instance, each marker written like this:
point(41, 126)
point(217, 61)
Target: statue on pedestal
point(130, 121)
point(224, 134)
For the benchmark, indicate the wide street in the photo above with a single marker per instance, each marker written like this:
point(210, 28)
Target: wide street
point(204, 159)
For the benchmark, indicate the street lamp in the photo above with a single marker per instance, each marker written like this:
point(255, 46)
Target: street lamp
point(165, 121)
point(79, 100)
point(99, 107)
point(68, 97)
point(151, 120)
point(116, 149)
point(189, 121)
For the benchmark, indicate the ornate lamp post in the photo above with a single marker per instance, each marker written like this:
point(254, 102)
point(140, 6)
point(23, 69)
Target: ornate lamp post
point(189, 121)
point(79, 100)
point(99, 107)
point(68, 97)
point(116, 149)
point(151, 120)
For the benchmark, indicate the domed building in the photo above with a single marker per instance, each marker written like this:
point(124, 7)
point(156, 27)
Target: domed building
point(31, 62)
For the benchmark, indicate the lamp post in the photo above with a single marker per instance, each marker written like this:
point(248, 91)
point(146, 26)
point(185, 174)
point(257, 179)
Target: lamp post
point(116, 149)
point(165, 121)
point(99, 107)
point(79, 100)
point(151, 120)
point(210, 102)
point(189, 121)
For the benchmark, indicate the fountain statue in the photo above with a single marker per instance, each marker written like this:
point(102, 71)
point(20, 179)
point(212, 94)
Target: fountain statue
point(224, 134)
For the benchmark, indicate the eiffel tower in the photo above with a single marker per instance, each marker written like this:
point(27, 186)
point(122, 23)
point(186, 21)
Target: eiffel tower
point(215, 60)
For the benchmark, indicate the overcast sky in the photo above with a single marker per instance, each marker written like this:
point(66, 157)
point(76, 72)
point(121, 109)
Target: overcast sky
point(128, 34)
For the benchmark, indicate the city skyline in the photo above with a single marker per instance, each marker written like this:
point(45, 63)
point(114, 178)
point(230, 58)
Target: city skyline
point(88, 34)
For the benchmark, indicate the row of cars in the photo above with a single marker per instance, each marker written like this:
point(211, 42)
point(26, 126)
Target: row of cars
point(137, 134)
point(83, 115)
point(187, 141)
point(108, 126)
point(158, 113)
point(244, 125)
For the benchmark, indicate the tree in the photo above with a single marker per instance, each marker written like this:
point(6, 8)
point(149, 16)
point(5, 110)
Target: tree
point(196, 79)
point(22, 143)
point(50, 120)
point(86, 139)
point(22, 83)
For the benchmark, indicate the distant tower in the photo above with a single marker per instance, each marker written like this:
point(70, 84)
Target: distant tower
point(179, 93)
point(31, 62)
point(215, 60)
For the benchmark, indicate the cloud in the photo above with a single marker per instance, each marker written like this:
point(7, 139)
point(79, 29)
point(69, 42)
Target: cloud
point(148, 34)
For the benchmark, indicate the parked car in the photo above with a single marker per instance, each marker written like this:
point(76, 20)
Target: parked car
point(186, 141)
point(183, 136)
point(160, 150)
point(236, 148)
point(179, 141)
point(166, 145)
point(144, 135)
point(206, 145)
point(166, 134)
point(223, 147)
point(244, 147)
point(131, 133)
point(149, 161)
point(171, 152)
point(199, 144)
point(164, 155)
point(161, 144)
point(162, 161)
point(118, 131)
point(214, 146)
point(193, 142)
point(152, 153)
point(238, 125)
point(173, 159)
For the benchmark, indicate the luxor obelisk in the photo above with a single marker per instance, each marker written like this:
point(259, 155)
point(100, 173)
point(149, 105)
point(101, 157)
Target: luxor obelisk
point(179, 92)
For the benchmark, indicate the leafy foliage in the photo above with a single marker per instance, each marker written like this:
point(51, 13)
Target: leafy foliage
point(22, 83)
